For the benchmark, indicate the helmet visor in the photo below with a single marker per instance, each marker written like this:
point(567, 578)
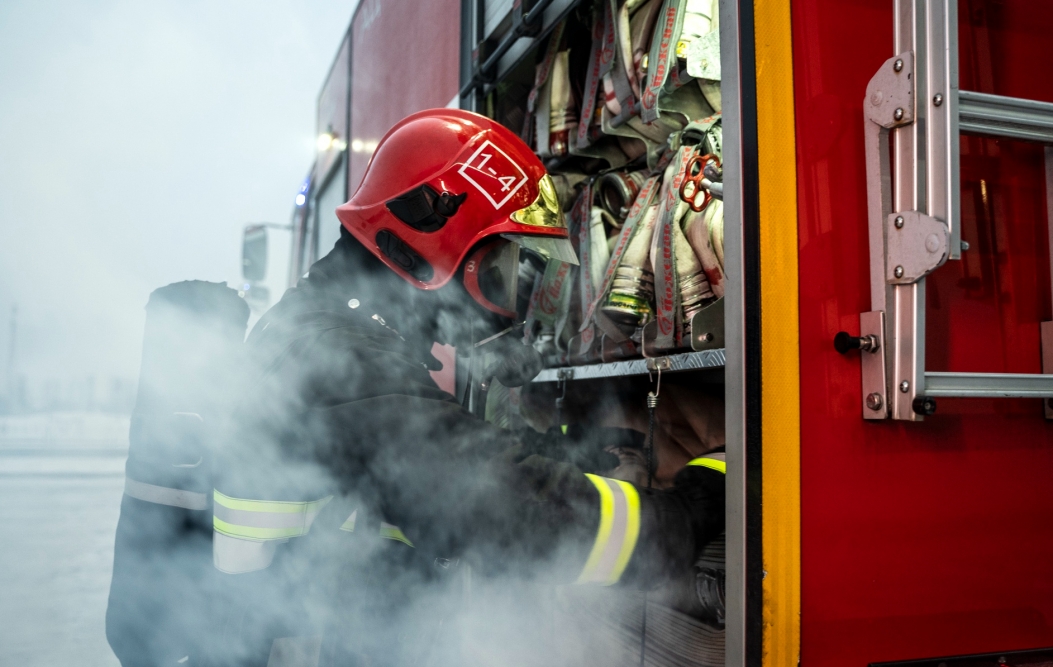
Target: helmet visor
point(491, 277)
point(549, 247)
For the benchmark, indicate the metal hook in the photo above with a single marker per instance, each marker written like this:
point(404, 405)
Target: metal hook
point(652, 396)
point(561, 385)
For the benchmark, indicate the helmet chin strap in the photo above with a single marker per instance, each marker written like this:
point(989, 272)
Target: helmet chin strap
point(499, 334)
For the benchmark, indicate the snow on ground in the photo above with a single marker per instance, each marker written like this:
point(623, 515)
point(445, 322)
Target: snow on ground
point(61, 480)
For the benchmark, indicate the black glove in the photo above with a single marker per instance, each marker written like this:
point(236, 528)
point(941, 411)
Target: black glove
point(588, 447)
point(701, 490)
point(516, 363)
point(675, 525)
point(584, 447)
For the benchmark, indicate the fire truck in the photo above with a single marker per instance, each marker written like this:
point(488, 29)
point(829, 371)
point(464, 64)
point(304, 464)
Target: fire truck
point(876, 312)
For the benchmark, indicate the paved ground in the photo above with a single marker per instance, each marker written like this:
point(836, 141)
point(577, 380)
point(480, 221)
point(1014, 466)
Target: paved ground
point(58, 513)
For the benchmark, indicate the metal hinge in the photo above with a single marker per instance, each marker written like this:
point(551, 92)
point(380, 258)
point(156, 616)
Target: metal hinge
point(916, 245)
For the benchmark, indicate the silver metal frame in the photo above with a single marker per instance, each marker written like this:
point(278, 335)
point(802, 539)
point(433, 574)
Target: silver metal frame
point(1046, 328)
point(552, 14)
point(1009, 117)
point(734, 300)
point(734, 336)
point(686, 361)
point(913, 103)
point(515, 43)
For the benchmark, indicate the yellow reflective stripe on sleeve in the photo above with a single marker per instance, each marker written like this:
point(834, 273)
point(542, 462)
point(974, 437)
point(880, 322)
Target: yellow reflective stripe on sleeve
point(387, 531)
point(713, 464)
point(604, 532)
point(617, 533)
point(390, 532)
point(274, 506)
point(349, 525)
point(263, 519)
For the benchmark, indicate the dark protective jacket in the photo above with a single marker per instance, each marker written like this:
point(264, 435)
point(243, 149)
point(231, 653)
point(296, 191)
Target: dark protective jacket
point(342, 438)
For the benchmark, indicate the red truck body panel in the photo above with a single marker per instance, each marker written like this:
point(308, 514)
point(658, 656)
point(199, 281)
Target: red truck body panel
point(332, 108)
point(406, 57)
point(923, 539)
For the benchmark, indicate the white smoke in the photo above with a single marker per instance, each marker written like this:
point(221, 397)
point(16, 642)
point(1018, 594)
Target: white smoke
point(135, 141)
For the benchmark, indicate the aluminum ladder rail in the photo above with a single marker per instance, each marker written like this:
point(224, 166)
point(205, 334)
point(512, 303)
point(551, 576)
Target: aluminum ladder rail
point(913, 105)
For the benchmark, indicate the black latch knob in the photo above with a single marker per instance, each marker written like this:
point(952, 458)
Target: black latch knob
point(845, 342)
point(924, 405)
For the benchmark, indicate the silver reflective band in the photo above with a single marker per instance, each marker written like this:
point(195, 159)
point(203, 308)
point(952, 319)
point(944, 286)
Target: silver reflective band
point(163, 495)
point(233, 555)
point(617, 533)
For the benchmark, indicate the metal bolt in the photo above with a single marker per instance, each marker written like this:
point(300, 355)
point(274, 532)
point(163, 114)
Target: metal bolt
point(965, 246)
point(898, 272)
point(354, 303)
point(899, 222)
point(904, 386)
point(898, 113)
point(937, 99)
point(898, 65)
point(869, 343)
point(874, 401)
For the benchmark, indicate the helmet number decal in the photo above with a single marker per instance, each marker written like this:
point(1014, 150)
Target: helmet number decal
point(493, 173)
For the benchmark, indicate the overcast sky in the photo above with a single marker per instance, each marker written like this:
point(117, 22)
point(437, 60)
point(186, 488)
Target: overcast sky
point(136, 139)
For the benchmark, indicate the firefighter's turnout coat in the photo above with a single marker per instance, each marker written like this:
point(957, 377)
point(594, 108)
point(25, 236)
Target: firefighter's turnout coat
point(351, 491)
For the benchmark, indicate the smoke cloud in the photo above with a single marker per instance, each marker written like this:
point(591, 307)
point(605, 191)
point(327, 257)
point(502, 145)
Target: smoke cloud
point(136, 140)
point(332, 405)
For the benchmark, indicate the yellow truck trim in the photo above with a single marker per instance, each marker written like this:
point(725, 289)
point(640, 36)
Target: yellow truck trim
point(780, 359)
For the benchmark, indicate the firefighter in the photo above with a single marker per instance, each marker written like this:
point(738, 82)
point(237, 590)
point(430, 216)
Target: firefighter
point(347, 469)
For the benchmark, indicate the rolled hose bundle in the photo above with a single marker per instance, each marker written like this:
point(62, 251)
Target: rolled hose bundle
point(695, 288)
point(705, 234)
point(157, 611)
point(632, 289)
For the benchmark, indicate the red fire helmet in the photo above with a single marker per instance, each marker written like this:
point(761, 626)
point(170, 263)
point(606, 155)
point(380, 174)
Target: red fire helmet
point(442, 182)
